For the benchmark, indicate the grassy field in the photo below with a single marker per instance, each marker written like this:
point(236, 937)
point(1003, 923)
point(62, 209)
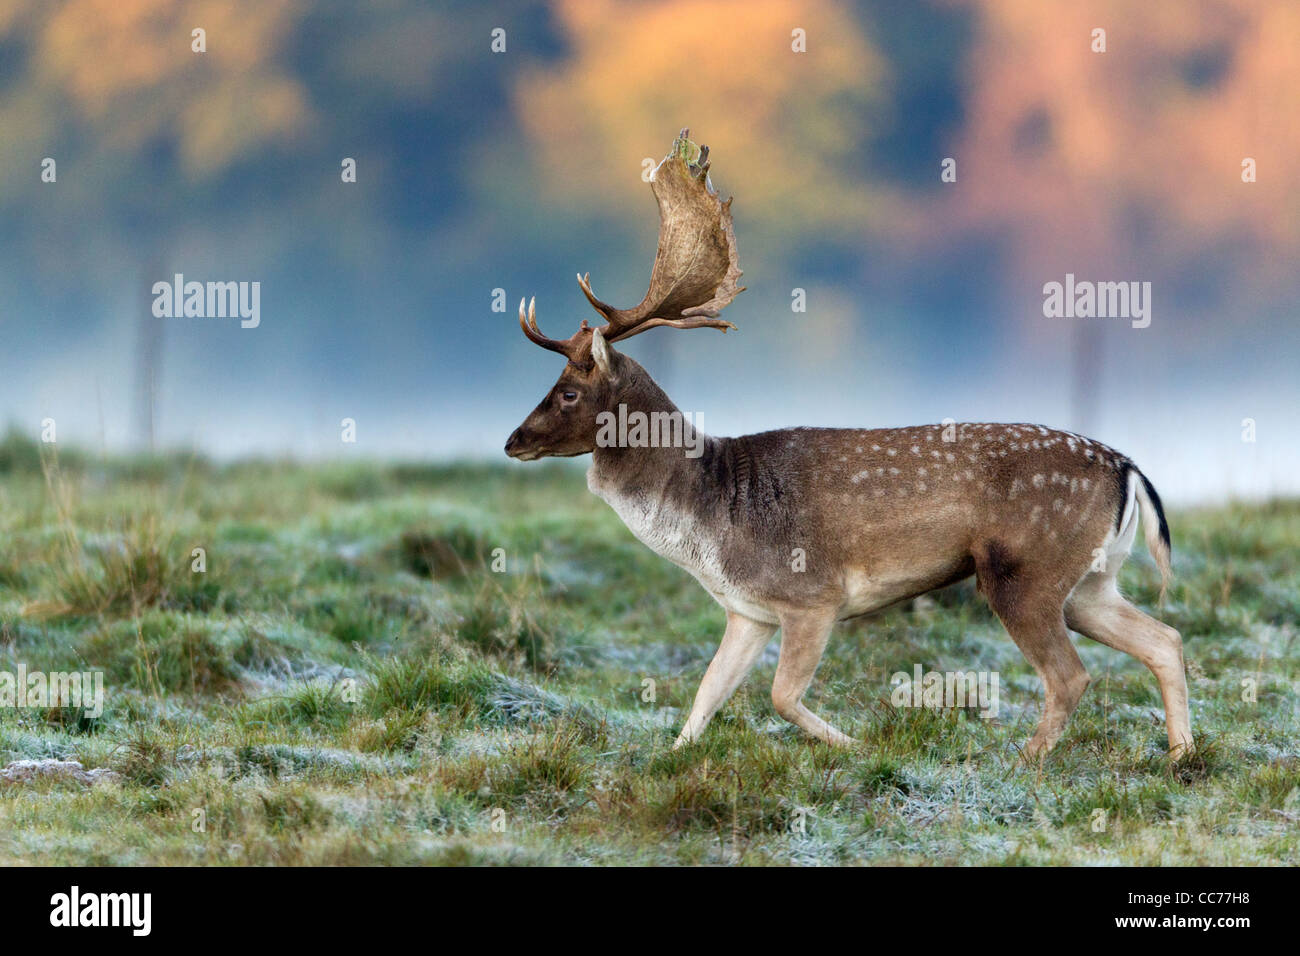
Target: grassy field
point(351, 682)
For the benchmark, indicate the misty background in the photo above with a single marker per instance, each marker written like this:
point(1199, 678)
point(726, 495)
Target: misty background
point(480, 170)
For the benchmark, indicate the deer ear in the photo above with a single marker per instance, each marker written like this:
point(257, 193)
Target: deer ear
point(602, 353)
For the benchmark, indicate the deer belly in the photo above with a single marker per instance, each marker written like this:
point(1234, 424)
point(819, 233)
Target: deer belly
point(864, 593)
point(868, 591)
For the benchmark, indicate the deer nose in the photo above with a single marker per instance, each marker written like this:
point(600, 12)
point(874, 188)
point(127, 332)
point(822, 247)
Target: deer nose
point(512, 443)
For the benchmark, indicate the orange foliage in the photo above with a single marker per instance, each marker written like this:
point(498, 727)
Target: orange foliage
point(126, 67)
point(1080, 160)
point(783, 124)
point(1085, 159)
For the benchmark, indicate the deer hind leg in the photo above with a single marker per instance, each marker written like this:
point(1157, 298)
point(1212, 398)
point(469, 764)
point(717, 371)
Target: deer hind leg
point(1031, 609)
point(1046, 645)
point(741, 646)
point(1097, 610)
point(803, 641)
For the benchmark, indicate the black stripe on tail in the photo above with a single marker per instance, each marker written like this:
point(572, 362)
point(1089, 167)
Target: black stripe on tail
point(1155, 500)
point(1160, 511)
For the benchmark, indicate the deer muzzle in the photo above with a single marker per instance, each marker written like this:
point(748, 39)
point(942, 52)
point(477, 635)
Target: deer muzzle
point(517, 446)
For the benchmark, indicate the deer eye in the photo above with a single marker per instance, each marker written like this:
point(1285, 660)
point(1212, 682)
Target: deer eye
point(569, 396)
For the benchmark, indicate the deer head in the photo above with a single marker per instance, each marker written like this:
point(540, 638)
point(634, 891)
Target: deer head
point(694, 278)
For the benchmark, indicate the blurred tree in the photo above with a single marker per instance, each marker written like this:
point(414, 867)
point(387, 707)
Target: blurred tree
point(794, 124)
point(1128, 162)
point(479, 170)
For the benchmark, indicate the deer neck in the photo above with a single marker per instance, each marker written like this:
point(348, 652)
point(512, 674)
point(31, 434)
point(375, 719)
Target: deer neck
point(682, 506)
point(651, 452)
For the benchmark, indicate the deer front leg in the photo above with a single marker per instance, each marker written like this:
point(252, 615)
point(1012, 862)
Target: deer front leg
point(803, 640)
point(739, 651)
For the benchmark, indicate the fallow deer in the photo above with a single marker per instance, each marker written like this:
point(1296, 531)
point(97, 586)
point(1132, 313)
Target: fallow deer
point(1042, 518)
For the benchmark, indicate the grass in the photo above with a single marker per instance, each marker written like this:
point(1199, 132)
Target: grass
point(412, 664)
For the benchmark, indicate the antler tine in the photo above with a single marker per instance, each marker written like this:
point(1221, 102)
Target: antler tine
point(711, 323)
point(584, 283)
point(529, 324)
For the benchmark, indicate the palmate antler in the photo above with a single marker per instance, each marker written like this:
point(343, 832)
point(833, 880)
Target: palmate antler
point(696, 265)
